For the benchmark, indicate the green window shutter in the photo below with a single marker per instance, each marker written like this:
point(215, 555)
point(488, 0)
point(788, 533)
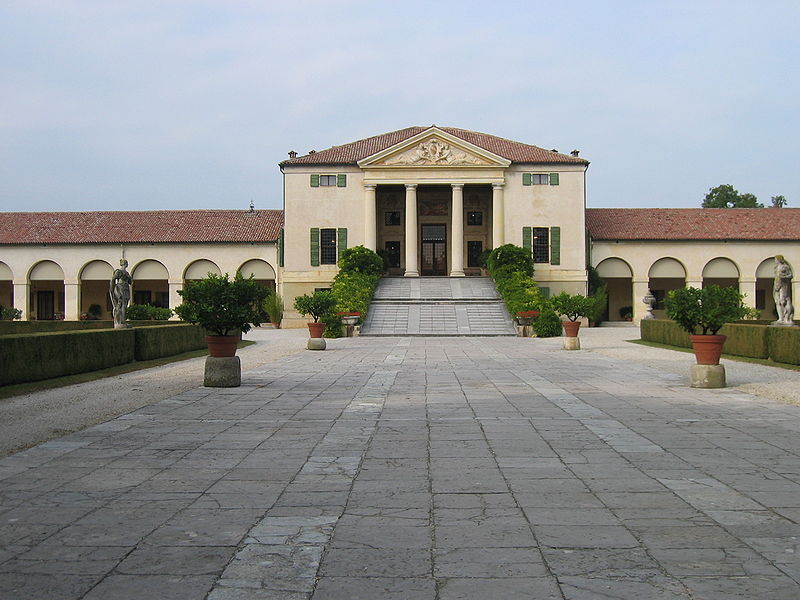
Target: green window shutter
point(555, 245)
point(527, 239)
point(341, 242)
point(545, 292)
point(526, 179)
point(280, 248)
point(315, 246)
point(553, 178)
point(315, 180)
point(341, 180)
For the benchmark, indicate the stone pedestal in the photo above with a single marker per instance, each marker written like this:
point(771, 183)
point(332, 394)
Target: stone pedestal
point(223, 372)
point(707, 376)
point(524, 330)
point(316, 344)
point(572, 343)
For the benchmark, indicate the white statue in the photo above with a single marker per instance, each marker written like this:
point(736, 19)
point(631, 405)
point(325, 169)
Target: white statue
point(781, 292)
point(120, 291)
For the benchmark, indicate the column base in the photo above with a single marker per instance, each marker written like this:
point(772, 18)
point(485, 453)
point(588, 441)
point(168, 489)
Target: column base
point(411, 274)
point(457, 274)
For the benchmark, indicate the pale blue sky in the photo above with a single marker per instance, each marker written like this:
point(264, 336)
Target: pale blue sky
point(191, 104)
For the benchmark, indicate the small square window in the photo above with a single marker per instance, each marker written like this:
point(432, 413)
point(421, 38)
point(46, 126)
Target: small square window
point(392, 218)
point(538, 179)
point(327, 180)
point(474, 218)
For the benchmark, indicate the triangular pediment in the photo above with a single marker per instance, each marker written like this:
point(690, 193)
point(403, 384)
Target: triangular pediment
point(434, 148)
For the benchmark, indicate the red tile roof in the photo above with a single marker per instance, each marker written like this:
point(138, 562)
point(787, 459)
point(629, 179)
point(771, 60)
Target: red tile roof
point(693, 223)
point(351, 153)
point(148, 226)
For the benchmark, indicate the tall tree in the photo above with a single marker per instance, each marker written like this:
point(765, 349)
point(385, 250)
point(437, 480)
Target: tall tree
point(779, 201)
point(726, 196)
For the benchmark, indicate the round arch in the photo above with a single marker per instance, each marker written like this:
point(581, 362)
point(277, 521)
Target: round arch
point(765, 280)
point(200, 268)
point(151, 284)
point(46, 291)
point(721, 271)
point(665, 274)
point(261, 271)
point(94, 301)
point(6, 285)
point(617, 274)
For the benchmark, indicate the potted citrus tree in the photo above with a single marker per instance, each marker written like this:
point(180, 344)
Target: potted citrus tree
point(702, 313)
point(317, 305)
point(573, 307)
point(224, 307)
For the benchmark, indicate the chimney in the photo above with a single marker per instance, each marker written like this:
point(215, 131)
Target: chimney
point(575, 153)
point(312, 151)
point(553, 150)
point(292, 154)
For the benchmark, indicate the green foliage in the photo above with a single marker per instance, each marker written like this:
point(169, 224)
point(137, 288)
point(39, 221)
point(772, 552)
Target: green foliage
point(145, 312)
point(625, 312)
point(222, 305)
point(600, 299)
point(273, 306)
point(167, 340)
point(778, 201)
point(317, 305)
point(784, 344)
point(483, 257)
point(743, 339)
point(572, 306)
point(594, 281)
point(518, 291)
point(359, 259)
point(707, 309)
point(726, 196)
point(509, 255)
point(353, 292)
point(664, 332)
point(548, 324)
point(9, 313)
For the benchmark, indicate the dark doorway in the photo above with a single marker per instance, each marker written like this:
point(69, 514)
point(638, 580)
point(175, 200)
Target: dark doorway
point(45, 305)
point(434, 249)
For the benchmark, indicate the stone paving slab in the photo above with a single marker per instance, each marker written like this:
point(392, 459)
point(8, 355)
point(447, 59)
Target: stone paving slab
point(416, 468)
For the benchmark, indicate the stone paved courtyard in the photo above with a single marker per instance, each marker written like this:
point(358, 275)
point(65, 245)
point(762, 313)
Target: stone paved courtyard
point(417, 468)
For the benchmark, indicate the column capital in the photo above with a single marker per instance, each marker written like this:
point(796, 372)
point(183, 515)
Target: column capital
point(457, 186)
point(370, 186)
point(498, 186)
point(411, 186)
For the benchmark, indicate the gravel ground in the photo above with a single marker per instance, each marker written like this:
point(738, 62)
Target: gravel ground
point(34, 418)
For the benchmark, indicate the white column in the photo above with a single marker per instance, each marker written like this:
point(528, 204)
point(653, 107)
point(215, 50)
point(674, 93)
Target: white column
point(370, 233)
point(457, 232)
point(640, 288)
point(72, 305)
point(22, 290)
point(175, 298)
point(498, 218)
point(412, 263)
point(747, 287)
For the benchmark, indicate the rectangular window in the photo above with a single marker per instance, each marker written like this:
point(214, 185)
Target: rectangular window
point(327, 246)
point(392, 218)
point(327, 180)
point(393, 254)
point(475, 218)
point(541, 245)
point(474, 249)
point(540, 179)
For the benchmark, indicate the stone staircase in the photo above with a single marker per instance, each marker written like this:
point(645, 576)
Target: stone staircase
point(437, 306)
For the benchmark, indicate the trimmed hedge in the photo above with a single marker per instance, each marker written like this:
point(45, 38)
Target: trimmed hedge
point(754, 340)
point(167, 340)
point(36, 356)
point(784, 344)
point(39, 356)
point(20, 327)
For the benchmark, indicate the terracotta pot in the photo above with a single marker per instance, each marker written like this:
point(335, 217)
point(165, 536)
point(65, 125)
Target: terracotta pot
point(222, 345)
point(707, 348)
point(571, 328)
point(316, 329)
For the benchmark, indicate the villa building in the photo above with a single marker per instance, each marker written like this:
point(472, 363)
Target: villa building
point(431, 199)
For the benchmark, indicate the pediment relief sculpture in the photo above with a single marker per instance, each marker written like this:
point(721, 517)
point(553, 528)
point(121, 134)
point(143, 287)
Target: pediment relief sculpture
point(435, 152)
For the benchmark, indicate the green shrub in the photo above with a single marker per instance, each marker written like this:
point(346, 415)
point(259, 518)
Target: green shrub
point(509, 255)
point(273, 306)
point(167, 340)
point(600, 308)
point(664, 332)
point(548, 324)
point(359, 259)
point(707, 309)
point(9, 313)
point(146, 312)
point(353, 292)
point(572, 306)
point(742, 340)
point(784, 344)
point(37, 356)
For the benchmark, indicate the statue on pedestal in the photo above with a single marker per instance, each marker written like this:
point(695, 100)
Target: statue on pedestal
point(649, 301)
point(120, 291)
point(782, 294)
